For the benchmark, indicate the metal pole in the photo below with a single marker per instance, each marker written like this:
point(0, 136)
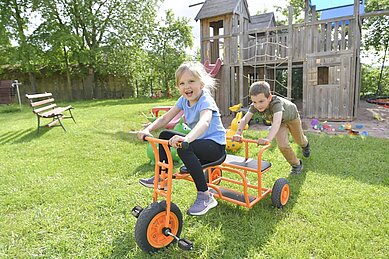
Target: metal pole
point(16, 84)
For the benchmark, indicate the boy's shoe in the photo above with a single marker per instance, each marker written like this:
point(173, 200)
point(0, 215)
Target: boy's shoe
point(297, 169)
point(306, 150)
point(147, 182)
point(204, 202)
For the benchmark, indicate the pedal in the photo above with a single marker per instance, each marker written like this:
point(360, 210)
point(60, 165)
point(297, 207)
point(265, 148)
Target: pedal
point(183, 243)
point(136, 211)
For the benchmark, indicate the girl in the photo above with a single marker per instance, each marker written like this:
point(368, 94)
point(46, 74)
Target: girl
point(207, 138)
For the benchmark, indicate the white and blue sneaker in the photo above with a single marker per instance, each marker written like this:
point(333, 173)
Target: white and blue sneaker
point(204, 202)
point(147, 182)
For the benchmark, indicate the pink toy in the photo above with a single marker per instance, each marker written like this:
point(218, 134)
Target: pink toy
point(175, 120)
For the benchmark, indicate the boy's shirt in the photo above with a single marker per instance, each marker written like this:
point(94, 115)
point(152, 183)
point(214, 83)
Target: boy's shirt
point(289, 109)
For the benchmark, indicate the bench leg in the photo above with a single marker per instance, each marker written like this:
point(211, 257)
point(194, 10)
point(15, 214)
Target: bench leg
point(60, 122)
point(39, 120)
point(70, 111)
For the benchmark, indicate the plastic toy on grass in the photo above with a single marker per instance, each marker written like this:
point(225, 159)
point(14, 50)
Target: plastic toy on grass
point(160, 223)
point(233, 145)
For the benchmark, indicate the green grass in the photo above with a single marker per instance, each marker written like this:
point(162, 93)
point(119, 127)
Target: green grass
point(71, 194)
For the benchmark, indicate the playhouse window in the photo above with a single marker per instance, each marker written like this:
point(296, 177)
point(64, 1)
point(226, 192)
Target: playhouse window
point(322, 75)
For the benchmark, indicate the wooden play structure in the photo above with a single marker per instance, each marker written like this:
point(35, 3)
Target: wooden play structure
point(253, 48)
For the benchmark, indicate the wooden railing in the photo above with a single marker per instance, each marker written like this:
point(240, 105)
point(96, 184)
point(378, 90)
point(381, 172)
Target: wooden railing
point(271, 45)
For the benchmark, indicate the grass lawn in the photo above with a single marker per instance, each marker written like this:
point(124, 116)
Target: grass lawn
point(71, 194)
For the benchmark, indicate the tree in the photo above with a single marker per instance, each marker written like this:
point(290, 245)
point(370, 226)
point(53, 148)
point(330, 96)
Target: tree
point(377, 35)
point(298, 11)
point(15, 19)
point(167, 49)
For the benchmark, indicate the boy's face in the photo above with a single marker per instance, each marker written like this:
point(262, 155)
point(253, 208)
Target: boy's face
point(260, 102)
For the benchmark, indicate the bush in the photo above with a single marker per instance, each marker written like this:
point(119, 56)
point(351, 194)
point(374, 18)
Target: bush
point(369, 81)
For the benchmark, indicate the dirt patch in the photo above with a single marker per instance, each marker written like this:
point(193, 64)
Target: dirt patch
point(372, 119)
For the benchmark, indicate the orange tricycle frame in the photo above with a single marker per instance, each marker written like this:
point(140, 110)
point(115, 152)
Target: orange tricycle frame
point(160, 228)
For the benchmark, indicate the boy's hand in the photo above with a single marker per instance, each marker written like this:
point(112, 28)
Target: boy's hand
point(263, 141)
point(237, 138)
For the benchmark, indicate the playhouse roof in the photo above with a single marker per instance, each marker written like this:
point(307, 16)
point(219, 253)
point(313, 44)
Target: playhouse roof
point(212, 8)
point(262, 21)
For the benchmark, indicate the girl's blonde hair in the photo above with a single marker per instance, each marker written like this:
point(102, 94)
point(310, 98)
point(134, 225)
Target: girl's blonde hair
point(198, 70)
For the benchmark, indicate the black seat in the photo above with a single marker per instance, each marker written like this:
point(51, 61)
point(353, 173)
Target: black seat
point(184, 170)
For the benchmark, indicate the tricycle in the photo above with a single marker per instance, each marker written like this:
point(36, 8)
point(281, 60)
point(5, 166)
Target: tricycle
point(160, 223)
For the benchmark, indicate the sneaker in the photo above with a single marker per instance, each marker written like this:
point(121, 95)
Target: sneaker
point(204, 202)
point(306, 150)
point(184, 170)
point(297, 169)
point(147, 182)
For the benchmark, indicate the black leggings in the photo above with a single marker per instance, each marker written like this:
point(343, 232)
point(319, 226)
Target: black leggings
point(200, 151)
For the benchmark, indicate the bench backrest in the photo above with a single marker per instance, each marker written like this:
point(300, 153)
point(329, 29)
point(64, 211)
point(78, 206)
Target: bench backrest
point(41, 102)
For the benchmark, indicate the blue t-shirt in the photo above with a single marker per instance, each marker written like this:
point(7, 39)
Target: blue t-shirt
point(216, 130)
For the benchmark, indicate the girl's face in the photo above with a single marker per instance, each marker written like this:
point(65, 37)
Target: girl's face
point(190, 87)
point(260, 102)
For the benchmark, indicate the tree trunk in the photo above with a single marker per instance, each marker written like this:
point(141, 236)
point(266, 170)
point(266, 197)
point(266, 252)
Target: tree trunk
point(32, 78)
point(379, 90)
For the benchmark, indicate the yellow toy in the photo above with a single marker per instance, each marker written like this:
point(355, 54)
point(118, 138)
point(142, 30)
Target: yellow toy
point(233, 145)
point(236, 107)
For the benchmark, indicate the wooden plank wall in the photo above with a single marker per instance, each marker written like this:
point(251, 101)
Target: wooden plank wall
point(327, 43)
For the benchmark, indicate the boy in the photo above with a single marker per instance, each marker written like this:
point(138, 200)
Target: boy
point(285, 118)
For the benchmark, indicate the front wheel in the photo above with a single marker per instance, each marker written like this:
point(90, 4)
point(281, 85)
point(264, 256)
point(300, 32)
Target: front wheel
point(150, 224)
point(280, 193)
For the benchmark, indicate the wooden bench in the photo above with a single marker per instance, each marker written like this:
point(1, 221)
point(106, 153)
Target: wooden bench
point(44, 107)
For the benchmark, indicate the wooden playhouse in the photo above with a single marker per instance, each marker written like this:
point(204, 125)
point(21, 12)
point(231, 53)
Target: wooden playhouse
point(253, 48)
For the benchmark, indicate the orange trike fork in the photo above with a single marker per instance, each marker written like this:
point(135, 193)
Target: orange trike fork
point(162, 181)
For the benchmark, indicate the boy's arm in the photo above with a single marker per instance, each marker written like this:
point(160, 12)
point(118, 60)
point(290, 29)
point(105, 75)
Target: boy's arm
point(241, 124)
point(275, 126)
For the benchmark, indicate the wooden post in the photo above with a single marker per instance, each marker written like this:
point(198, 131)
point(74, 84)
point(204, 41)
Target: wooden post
point(304, 53)
point(357, 67)
point(290, 53)
point(241, 54)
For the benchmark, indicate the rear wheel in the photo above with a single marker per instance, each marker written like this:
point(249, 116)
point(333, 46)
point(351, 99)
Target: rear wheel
point(280, 193)
point(215, 173)
point(150, 225)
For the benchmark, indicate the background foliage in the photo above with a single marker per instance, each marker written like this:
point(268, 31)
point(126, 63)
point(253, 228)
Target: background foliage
point(96, 38)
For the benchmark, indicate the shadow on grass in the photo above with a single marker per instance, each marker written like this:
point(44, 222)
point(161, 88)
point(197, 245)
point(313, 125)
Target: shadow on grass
point(247, 230)
point(241, 230)
point(21, 136)
point(122, 135)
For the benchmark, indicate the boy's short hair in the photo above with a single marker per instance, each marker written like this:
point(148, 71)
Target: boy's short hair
point(260, 87)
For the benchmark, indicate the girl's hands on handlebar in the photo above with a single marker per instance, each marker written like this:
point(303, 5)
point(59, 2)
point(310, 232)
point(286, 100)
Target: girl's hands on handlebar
point(143, 133)
point(176, 140)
